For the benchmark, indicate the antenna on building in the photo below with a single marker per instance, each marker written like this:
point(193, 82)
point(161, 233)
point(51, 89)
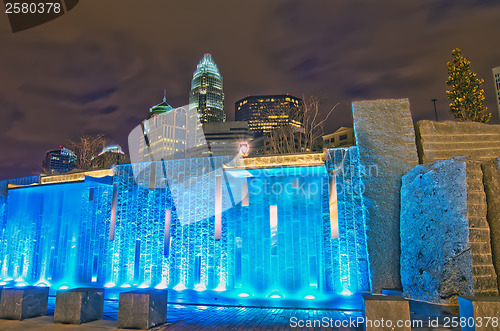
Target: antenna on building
point(164, 95)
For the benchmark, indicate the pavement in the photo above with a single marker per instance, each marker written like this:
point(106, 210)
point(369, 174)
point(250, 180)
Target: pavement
point(207, 316)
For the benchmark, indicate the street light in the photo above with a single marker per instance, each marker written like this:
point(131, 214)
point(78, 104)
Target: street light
point(435, 110)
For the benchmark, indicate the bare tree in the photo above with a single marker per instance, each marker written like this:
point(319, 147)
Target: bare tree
point(86, 148)
point(288, 139)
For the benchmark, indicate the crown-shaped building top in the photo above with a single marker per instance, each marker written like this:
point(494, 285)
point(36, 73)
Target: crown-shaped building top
point(206, 66)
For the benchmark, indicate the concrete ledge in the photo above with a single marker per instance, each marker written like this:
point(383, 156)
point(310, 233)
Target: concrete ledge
point(24, 302)
point(479, 309)
point(142, 309)
point(386, 307)
point(79, 305)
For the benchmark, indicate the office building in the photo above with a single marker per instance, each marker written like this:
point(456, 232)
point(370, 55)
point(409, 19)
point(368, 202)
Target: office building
point(207, 96)
point(162, 136)
point(59, 161)
point(265, 113)
point(227, 138)
point(343, 137)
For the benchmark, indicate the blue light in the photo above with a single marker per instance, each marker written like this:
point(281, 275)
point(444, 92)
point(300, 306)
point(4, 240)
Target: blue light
point(161, 286)
point(64, 287)
point(200, 288)
point(126, 250)
point(179, 287)
point(22, 284)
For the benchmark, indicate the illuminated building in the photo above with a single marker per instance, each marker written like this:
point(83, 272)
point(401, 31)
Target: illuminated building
point(206, 91)
point(264, 113)
point(166, 132)
point(341, 138)
point(496, 80)
point(59, 161)
point(110, 155)
point(226, 138)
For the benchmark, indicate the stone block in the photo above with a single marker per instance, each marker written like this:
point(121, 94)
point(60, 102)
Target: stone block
point(436, 260)
point(479, 310)
point(79, 305)
point(446, 139)
point(491, 179)
point(390, 309)
point(142, 309)
point(386, 141)
point(24, 302)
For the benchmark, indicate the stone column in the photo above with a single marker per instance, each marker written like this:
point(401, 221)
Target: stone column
point(491, 179)
point(386, 142)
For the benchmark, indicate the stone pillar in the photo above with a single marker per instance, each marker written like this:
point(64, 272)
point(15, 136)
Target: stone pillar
point(491, 179)
point(386, 142)
point(445, 239)
point(436, 262)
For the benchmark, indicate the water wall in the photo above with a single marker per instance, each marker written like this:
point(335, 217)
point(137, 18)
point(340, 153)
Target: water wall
point(168, 224)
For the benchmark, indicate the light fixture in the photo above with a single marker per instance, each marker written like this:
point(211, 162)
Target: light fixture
point(244, 148)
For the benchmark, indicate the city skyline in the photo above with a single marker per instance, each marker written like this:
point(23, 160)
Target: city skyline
point(67, 77)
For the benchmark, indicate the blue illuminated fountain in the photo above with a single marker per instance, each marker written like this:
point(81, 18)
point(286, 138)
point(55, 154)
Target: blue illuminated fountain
point(300, 229)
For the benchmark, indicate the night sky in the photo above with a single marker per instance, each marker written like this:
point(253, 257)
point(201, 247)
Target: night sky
point(98, 68)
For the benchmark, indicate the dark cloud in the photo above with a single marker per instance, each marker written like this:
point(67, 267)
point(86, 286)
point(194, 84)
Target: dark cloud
point(99, 68)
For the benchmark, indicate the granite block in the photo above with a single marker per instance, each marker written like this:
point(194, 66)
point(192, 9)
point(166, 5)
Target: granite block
point(79, 305)
point(142, 309)
point(24, 302)
point(386, 308)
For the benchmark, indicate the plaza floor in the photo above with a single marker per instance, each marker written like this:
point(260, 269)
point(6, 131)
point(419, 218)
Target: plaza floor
point(227, 317)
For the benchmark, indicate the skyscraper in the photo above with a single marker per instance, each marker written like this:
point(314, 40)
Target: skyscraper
point(206, 91)
point(496, 79)
point(264, 113)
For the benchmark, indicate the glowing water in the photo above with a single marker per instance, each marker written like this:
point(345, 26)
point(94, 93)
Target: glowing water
point(277, 240)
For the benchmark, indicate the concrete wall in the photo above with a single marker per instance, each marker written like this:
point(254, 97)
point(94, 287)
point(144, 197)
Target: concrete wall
point(386, 142)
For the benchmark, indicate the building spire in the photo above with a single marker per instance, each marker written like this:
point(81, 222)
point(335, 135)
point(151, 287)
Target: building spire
point(164, 95)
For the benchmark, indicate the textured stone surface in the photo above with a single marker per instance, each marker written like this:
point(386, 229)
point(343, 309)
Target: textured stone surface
point(388, 308)
point(479, 309)
point(142, 309)
point(24, 302)
point(436, 262)
point(491, 173)
point(80, 305)
point(386, 142)
point(485, 279)
point(443, 140)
